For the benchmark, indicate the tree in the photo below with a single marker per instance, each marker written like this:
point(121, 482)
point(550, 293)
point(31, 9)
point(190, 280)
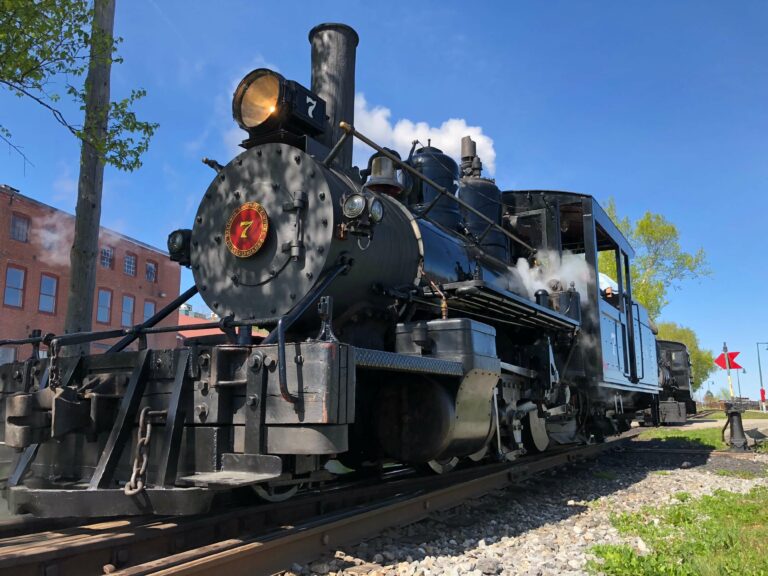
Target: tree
point(702, 361)
point(46, 43)
point(660, 263)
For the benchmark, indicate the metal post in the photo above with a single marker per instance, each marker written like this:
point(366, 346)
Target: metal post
point(760, 370)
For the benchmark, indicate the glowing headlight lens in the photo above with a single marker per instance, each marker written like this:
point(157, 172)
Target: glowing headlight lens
point(376, 210)
point(256, 98)
point(353, 206)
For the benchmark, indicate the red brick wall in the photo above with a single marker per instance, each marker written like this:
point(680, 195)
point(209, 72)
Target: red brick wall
point(47, 251)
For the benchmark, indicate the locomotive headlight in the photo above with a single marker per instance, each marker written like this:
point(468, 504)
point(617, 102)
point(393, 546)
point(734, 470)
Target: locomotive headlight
point(266, 103)
point(376, 210)
point(179, 246)
point(257, 98)
point(353, 206)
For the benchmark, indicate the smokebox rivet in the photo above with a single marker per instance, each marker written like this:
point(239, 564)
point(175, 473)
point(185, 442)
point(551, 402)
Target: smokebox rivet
point(253, 400)
point(279, 151)
point(258, 153)
point(293, 296)
point(217, 238)
point(297, 159)
point(322, 195)
point(215, 304)
point(309, 275)
point(272, 272)
point(203, 287)
point(237, 193)
point(199, 219)
point(325, 222)
point(321, 249)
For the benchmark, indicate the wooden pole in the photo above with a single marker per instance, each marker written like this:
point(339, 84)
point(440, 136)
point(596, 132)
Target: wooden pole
point(85, 247)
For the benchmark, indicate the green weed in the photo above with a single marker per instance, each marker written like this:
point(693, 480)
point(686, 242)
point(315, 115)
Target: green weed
point(721, 534)
point(702, 438)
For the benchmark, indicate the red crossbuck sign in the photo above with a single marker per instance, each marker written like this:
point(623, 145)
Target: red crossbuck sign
point(720, 361)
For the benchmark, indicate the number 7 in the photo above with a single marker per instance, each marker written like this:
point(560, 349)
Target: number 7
point(245, 225)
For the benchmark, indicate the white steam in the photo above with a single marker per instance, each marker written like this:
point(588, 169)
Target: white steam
point(52, 237)
point(551, 269)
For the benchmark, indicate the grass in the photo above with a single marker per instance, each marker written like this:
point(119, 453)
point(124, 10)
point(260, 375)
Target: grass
point(701, 438)
point(721, 534)
point(743, 474)
point(604, 474)
point(747, 415)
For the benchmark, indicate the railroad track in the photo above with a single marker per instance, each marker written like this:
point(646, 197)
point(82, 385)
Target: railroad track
point(260, 539)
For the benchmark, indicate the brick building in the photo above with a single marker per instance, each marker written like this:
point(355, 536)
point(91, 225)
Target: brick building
point(133, 279)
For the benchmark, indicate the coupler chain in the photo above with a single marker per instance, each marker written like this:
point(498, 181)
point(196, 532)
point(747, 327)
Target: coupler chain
point(141, 456)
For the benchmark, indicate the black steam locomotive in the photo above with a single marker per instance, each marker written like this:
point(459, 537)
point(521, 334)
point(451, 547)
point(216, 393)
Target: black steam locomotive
point(416, 313)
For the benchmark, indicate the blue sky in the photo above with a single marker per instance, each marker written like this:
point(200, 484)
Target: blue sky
point(661, 105)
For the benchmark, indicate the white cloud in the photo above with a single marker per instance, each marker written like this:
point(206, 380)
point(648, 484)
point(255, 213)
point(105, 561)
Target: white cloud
point(375, 122)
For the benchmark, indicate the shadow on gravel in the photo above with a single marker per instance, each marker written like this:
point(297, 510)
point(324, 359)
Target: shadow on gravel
point(542, 500)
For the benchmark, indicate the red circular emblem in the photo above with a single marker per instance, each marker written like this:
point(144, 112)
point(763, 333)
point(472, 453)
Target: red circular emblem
point(246, 230)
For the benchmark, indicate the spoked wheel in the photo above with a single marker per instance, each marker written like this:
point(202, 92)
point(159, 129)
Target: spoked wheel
point(535, 437)
point(443, 466)
point(275, 493)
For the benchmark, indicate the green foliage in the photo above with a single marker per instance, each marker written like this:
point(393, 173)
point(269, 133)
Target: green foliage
point(747, 415)
point(722, 534)
point(701, 438)
point(47, 43)
point(660, 263)
point(702, 361)
point(743, 474)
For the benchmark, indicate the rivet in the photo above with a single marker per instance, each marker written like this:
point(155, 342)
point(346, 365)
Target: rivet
point(272, 272)
point(195, 243)
point(199, 219)
point(293, 296)
point(222, 177)
point(237, 193)
point(258, 153)
point(239, 162)
point(252, 400)
point(279, 151)
point(203, 287)
point(297, 159)
point(321, 195)
point(273, 310)
point(217, 238)
point(215, 304)
point(309, 275)
point(321, 249)
point(325, 222)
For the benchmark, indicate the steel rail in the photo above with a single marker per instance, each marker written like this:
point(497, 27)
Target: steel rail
point(271, 536)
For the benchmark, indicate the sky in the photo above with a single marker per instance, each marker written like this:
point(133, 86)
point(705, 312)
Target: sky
point(661, 105)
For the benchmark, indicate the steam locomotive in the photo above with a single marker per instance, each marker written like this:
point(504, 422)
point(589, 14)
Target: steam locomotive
point(416, 314)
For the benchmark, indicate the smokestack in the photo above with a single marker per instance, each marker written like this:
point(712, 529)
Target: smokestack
point(333, 79)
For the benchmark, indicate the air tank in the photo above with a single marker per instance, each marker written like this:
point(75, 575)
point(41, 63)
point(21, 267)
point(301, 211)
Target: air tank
point(433, 164)
point(483, 195)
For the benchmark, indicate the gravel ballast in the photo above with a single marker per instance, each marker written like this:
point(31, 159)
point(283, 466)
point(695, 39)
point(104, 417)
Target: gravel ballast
point(546, 525)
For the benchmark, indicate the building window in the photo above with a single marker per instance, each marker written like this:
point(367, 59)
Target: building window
point(127, 317)
point(104, 309)
point(20, 228)
point(107, 257)
point(129, 264)
point(14, 287)
point(151, 271)
point(149, 309)
point(48, 289)
point(7, 355)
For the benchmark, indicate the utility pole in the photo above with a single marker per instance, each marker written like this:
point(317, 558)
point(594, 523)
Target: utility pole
point(85, 246)
point(760, 370)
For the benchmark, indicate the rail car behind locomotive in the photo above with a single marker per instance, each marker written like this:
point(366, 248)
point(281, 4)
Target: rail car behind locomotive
point(675, 400)
point(417, 314)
